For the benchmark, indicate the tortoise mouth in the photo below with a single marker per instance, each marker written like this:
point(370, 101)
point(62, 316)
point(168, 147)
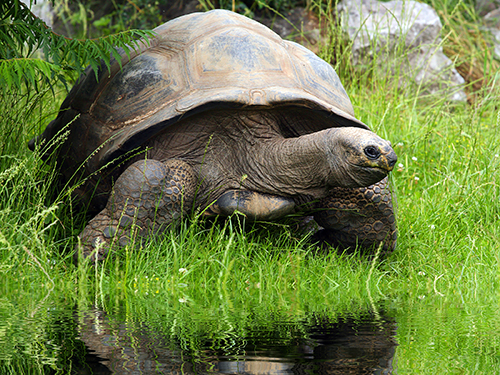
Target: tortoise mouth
point(382, 168)
point(368, 174)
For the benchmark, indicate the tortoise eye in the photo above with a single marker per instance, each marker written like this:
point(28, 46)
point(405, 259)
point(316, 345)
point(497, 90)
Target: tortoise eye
point(372, 152)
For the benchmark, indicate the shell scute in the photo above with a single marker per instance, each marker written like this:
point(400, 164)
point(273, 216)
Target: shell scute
point(237, 50)
point(142, 86)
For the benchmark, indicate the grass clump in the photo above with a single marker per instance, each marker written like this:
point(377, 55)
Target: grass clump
point(468, 44)
point(29, 218)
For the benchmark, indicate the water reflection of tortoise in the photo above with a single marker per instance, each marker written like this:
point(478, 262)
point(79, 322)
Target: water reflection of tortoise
point(218, 108)
point(362, 345)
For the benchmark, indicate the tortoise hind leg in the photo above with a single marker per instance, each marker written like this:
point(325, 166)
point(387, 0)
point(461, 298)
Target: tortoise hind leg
point(362, 217)
point(147, 197)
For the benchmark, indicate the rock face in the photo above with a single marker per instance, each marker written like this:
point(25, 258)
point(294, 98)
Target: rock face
point(42, 9)
point(413, 31)
point(492, 21)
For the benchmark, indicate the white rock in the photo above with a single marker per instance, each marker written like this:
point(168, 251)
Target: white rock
point(42, 9)
point(404, 36)
point(492, 21)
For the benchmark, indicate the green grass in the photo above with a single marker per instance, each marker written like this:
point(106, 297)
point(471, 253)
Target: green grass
point(444, 274)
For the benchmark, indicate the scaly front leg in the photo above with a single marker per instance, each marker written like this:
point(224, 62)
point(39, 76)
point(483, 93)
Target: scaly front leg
point(147, 197)
point(361, 217)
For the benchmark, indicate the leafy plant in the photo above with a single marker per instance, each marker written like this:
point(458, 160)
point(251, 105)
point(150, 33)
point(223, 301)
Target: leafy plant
point(22, 35)
point(89, 18)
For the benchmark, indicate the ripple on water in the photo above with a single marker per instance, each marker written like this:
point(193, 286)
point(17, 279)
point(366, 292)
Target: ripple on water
point(275, 346)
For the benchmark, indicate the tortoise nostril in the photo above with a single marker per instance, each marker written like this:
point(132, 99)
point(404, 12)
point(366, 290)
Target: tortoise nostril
point(392, 158)
point(372, 152)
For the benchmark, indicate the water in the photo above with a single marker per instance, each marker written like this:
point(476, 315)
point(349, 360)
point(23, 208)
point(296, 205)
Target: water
point(175, 341)
point(317, 345)
point(402, 334)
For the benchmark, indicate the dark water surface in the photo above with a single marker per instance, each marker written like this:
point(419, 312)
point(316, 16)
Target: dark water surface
point(71, 330)
point(417, 334)
point(361, 345)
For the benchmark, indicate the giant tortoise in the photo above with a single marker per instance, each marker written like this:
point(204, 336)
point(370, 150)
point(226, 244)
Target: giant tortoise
point(218, 113)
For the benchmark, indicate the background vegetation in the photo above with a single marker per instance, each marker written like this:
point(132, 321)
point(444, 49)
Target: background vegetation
point(441, 284)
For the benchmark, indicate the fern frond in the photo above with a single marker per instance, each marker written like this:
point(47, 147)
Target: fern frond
point(14, 71)
point(22, 33)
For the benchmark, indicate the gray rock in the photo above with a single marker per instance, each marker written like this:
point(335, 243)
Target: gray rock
point(496, 37)
point(42, 9)
point(492, 22)
point(404, 36)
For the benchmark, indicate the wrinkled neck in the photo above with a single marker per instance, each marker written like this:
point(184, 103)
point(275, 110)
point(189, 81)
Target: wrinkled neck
point(295, 166)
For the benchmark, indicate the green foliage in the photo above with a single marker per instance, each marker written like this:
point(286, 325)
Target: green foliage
point(15, 72)
point(90, 18)
point(22, 35)
point(467, 44)
point(250, 7)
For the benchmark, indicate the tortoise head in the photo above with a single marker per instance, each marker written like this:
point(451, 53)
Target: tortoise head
point(357, 157)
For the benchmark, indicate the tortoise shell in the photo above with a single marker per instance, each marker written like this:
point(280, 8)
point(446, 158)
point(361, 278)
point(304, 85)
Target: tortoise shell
point(195, 63)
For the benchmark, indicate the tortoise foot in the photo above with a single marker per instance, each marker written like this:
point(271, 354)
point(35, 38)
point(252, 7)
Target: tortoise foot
point(147, 197)
point(359, 218)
